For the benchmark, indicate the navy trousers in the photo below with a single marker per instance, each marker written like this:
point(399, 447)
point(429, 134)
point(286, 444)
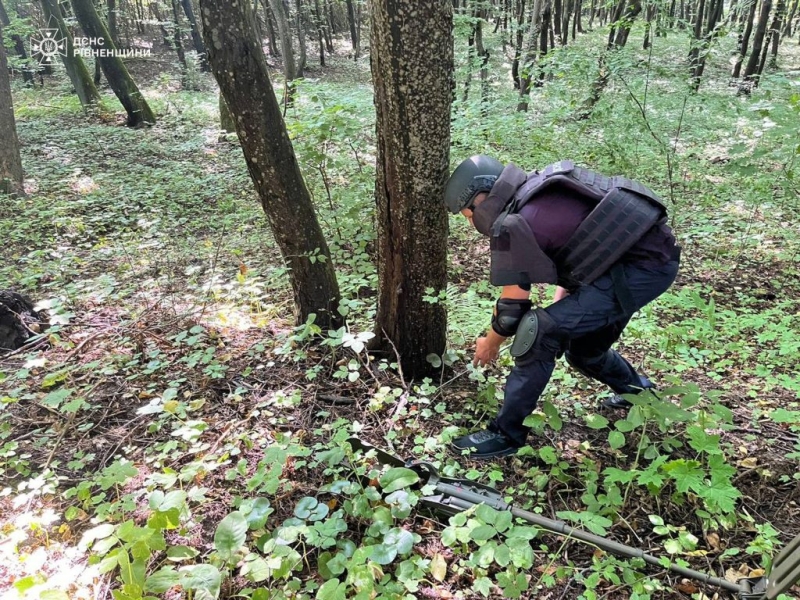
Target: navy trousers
point(589, 321)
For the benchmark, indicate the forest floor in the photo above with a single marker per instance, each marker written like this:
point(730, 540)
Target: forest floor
point(173, 400)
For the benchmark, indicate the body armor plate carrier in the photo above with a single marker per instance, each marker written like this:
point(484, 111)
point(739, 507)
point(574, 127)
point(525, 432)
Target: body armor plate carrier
point(624, 211)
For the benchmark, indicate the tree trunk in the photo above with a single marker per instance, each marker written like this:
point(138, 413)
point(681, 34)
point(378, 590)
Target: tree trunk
point(633, 10)
point(240, 68)
point(156, 11)
point(531, 53)
point(287, 51)
point(197, 38)
point(750, 72)
point(19, 44)
point(177, 36)
point(112, 22)
point(76, 69)
point(351, 21)
point(119, 79)
point(320, 32)
point(520, 39)
point(301, 40)
point(776, 30)
point(744, 42)
point(412, 72)
point(10, 162)
point(226, 121)
point(270, 19)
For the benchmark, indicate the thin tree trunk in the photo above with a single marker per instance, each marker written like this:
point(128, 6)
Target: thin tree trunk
point(351, 21)
point(272, 37)
point(531, 54)
point(301, 39)
point(197, 38)
point(320, 32)
point(112, 22)
point(11, 174)
point(240, 68)
point(287, 51)
point(776, 30)
point(19, 45)
point(751, 71)
point(125, 88)
point(520, 39)
point(76, 69)
point(156, 11)
point(744, 41)
point(177, 38)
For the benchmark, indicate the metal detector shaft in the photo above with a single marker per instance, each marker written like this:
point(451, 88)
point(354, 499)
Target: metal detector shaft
point(462, 498)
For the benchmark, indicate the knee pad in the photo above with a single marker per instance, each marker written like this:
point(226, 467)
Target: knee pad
point(538, 338)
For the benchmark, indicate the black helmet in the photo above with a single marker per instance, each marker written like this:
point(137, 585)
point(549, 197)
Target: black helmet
point(475, 175)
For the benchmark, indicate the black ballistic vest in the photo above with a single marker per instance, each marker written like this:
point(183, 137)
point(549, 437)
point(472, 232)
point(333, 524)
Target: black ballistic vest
point(624, 210)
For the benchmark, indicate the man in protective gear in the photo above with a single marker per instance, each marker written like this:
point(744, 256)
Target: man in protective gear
point(602, 240)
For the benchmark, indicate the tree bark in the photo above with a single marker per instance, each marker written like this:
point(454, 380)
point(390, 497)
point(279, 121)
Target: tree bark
point(112, 22)
point(240, 68)
point(412, 72)
point(197, 38)
point(751, 71)
point(177, 36)
point(320, 33)
point(19, 44)
point(775, 31)
point(520, 39)
point(533, 48)
point(301, 40)
point(76, 69)
point(287, 51)
point(125, 88)
point(10, 163)
point(744, 41)
point(226, 121)
point(351, 21)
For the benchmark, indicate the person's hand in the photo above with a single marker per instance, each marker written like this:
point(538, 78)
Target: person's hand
point(560, 294)
point(486, 352)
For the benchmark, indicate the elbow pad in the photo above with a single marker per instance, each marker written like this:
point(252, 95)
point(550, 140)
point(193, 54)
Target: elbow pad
point(507, 315)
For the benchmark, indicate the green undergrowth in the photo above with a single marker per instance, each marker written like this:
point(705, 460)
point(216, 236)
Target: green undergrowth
point(177, 428)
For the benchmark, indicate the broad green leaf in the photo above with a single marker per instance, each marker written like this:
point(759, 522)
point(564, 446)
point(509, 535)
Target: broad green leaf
point(162, 580)
point(616, 439)
point(259, 512)
point(230, 535)
point(401, 539)
point(397, 478)
point(595, 421)
point(202, 577)
point(179, 553)
point(383, 554)
point(332, 589)
point(482, 533)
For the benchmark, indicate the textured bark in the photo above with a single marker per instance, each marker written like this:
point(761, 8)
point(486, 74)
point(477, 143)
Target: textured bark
point(125, 88)
point(112, 22)
point(76, 69)
point(351, 22)
point(226, 121)
point(197, 38)
point(751, 70)
point(412, 71)
point(520, 38)
point(10, 162)
point(533, 48)
point(19, 44)
point(319, 22)
point(240, 68)
point(775, 31)
point(177, 41)
point(287, 51)
point(744, 40)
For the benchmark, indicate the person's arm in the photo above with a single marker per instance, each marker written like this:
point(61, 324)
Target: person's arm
point(487, 348)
